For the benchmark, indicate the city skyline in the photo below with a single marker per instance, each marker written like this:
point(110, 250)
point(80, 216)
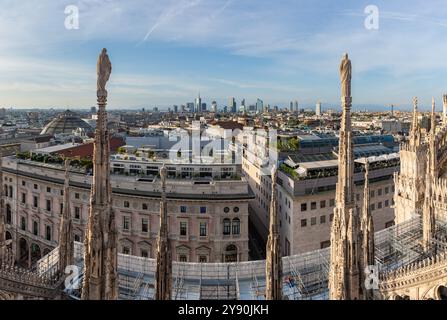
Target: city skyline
point(167, 52)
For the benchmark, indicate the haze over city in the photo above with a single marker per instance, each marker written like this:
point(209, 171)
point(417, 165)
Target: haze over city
point(166, 52)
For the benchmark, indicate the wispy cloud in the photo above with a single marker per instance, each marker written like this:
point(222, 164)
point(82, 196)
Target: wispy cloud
point(294, 47)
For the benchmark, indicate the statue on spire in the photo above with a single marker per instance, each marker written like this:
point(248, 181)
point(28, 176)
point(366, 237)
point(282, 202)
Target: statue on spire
point(345, 76)
point(103, 70)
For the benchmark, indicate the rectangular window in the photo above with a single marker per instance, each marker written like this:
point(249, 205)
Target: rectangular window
point(202, 209)
point(325, 244)
point(48, 189)
point(387, 203)
point(203, 259)
point(387, 190)
point(126, 250)
point(373, 207)
point(61, 207)
point(23, 183)
point(76, 195)
point(202, 228)
point(323, 204)
point(313, 221)
point(322, 219)
point(372, 193)
point(48, 205)
point(23, 197)
point(379, 192)
point(144, 206)
point(183, 228)
point(126, 204)
point(183, 209)
point(389, 224)
point(144, 225)
point(144, 253)
point(35, 202)
point(303, 223)
point(36, 186)
point(313, 205)
point(77, 213)
point(303, 207)
point(332, 202)
point(126, 223)
point(287, 247)
point(379, 205)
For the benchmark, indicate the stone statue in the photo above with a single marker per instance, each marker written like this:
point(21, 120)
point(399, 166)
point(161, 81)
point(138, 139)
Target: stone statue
point(103, 69)
point(345, 76)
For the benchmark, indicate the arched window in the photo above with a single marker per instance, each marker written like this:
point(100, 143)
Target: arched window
point(48, 233)
point(23, 223)
point(231, 253)
point(8, 214)
point(442, 293)
point(35, 228)
point(226, 226)
point(236, 226)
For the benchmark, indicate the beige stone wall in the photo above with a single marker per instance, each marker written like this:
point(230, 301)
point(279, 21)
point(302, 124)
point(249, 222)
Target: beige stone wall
point(313, 236)
point(133, 208)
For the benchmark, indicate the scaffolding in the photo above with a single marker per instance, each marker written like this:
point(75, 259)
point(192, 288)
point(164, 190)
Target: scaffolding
point(305, 276)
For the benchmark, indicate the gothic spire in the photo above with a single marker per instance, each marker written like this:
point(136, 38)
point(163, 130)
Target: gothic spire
point(344, 273)
point(273, 261)
point(415, 134)
point(2, 216)
point(428, 215)
point(66, 244)
point(163, 276)
point(367, 232)
point(444, 109)
point(100, 274)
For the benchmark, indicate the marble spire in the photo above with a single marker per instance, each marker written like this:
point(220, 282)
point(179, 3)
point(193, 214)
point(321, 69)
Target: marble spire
point(273, 261)
point(428, 210)
point(367, 257)
point(66, 244)
point(3, 248)
point(163, 276)
point(100, 256)
point(344, 267)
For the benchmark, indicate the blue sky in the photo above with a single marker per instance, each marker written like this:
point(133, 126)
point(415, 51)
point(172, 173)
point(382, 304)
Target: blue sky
point(164, 51)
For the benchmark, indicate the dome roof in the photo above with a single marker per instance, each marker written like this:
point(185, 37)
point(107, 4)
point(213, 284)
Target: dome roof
point(65, 123)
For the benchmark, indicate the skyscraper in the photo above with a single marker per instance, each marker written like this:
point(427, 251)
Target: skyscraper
point(318, 109)
point(232, 105)
point(291, 106)
point(296, 106)
point(259, 105)
point(190, 106)
point(214, 106)
point(198, 104)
